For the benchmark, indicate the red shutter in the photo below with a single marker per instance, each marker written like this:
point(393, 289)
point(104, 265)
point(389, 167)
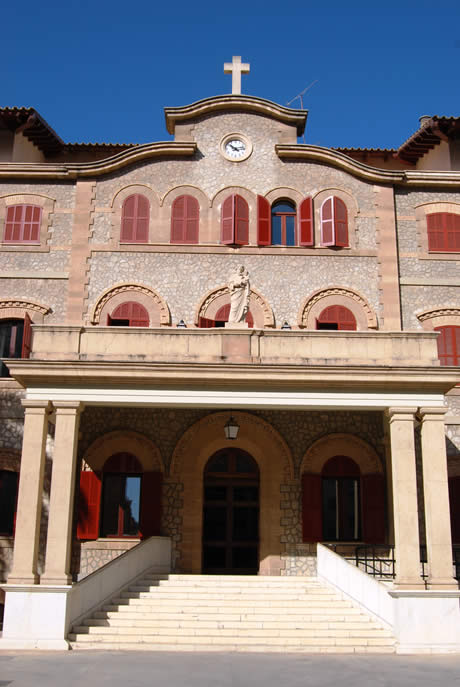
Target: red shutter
point(134, 312)
point(264, 234)
point(89, 505)
point(452, 224)
point(192, 220)
point(205, 323)
point(312, 515)
point(178, 220)
point(340, 223)
point(448, 345)
point(339, 315)
point(135, 219)
point(373, 514)
point(223, 313)
point(241, 221)
point(327, 223)
point(228, 216)
point(306, 222)
point(23, 224)
point(151, 501)
point(443, 230)
point(10, 223)
point(26, 337)
point(454, 500)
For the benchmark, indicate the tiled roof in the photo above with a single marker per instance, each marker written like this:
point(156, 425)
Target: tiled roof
point(432, 131)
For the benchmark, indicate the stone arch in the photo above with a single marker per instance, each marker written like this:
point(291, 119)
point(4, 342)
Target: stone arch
point(123, 441)
point(439, 317)
point(17, 308)
point(269, 450)
point(156, 307)
point(341, 445)
point(216, 298)
point(337, 295)
point(286, 192)
point(186, 189)
point(10, 459)
point(216, 206)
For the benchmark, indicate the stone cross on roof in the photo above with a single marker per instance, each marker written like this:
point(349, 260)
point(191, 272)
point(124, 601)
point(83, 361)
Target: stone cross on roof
point(236, 68)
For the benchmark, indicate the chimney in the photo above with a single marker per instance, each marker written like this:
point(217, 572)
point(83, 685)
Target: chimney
point(424, 119)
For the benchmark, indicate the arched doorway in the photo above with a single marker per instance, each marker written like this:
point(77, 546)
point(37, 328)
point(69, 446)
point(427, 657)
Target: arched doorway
point(231, 513)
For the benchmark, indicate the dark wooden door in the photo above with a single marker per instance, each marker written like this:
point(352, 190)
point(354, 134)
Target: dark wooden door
point(231, 513)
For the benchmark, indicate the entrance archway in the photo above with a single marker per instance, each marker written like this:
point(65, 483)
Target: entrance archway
point(231, 513)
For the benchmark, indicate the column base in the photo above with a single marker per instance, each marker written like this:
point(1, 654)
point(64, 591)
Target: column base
point(54, 580)
point(23, 579)
point(442, 583)
point(409, 583)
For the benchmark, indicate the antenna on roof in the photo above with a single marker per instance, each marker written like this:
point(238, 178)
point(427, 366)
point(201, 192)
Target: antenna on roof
point(300, 96)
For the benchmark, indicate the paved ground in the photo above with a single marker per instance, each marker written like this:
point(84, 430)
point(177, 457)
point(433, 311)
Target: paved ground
point(133, 669)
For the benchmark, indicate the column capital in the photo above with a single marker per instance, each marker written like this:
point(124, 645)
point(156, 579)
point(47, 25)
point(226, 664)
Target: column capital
point(436, 413)
point(401, 413)
point(68, 407)
point(31, 405)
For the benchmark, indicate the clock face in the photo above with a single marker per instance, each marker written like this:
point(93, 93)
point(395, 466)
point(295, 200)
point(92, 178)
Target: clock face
point(235, 148)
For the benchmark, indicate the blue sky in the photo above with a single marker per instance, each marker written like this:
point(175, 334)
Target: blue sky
point(103, 70)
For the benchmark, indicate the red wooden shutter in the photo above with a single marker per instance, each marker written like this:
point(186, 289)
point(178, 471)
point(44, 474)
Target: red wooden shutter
point(373, 512)
point(178, 220)
point(340, 223)
point(454, 501)
point(23, 224)
point(89, 505)
point(241, 221)
point(205, 323)
point(435, 231)
point(135, 219)
point(228, 216)
point(151, 504)
point(327, 223)
point(443, 230)
point(339, 315)
point(312, 515)
point(192, 220)
point(223, 313)
point(26, 337)
point(448, 345)
point(10, 224)
point(134, 312)
point(452, 225)
point(264, 234)
point(306, 222)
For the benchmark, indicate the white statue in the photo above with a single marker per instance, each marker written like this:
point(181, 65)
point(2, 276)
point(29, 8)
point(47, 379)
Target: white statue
point(240, 290)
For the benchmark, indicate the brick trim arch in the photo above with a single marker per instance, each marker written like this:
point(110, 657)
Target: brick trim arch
point(16, 308)
point(352, 211)
point(105, 446)
point(439, 317)
point(341, 444)
point(337, 295)
point(157, 308)
point(216, 298)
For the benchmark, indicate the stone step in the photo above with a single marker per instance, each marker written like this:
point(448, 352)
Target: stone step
point(224, 601)
point(243, 595)
point(113, 619)
point(211, 612)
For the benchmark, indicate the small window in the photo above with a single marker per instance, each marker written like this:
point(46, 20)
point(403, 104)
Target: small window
point(235, 221)
point(185, 220)
point(341, 500)
point(23, 224)
point(283, 223)
point(135, 219)
point(443, 232)
point(121, 496)
point(8, 498)
point(279, 224)
point(334, 223)
point(15, 335)
point(448, 345)
point(129, 314)
point(336, 317)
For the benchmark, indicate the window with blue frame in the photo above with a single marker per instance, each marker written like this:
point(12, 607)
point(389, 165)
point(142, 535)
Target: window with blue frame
point(283, 224)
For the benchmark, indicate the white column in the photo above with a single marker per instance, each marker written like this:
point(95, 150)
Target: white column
point(59, 541)
point(30, 494)
point(436, 493)
point(405, 507)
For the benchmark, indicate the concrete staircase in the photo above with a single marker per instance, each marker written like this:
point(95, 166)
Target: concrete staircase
point(232, 613)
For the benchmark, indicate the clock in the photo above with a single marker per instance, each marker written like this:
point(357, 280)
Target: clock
point(235, 147)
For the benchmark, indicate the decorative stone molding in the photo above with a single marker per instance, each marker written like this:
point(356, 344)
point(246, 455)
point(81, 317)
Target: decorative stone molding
point(439, 317)
point(10, 459)
point(211, 427)
point(341, 445)
point(157, 308)
point(215, 299)
point(337, 295)
point(122, 442)
point(284, 192)
point(17, 308)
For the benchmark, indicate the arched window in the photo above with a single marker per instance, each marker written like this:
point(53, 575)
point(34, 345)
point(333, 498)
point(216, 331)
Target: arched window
point(135, 219)
point(15, 339)
point(334, 222)
point(279, 225)
point(8, 499)
point(129, 314)
point(443, 232)
point(221, 317)
point(122, 501)
point(235, 221)
point(22, 224)
point(185, 220)
point(449, 344)
point(340, 504)
point(336, 317)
